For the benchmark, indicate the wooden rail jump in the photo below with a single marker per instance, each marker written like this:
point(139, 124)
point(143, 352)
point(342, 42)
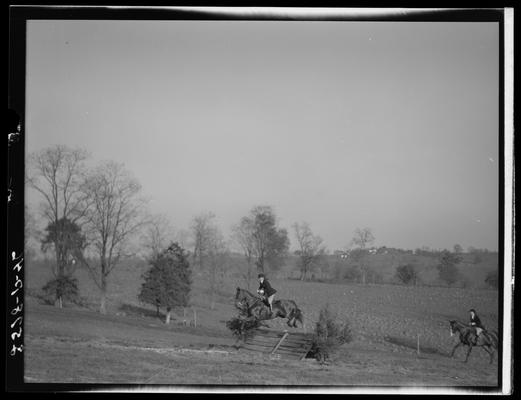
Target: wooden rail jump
point(286, 345)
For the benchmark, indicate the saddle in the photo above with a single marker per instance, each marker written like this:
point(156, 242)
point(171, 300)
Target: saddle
point(481, 332)
point(264, 301)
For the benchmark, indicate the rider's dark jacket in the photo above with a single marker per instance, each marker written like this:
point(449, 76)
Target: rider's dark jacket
point(268, 290)
point(475, 321)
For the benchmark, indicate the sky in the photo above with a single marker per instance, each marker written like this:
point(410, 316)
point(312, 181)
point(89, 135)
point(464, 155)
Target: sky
point(344, 125)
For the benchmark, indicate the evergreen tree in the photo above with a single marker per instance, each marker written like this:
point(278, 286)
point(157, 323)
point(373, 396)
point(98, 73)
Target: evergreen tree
point(167, 283)
point(60, 288)
point(68, 242)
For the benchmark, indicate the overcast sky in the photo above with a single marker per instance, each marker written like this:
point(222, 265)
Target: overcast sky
point(387, 125)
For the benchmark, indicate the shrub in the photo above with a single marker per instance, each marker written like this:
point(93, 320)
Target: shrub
point(243, 328)
point(448, 274)
point(329, 334)
point(492, 279)
point(353, 274)
point(61, 288)
point(407, 274)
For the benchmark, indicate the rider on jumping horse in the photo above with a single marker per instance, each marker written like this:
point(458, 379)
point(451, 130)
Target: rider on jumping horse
point(266, 290)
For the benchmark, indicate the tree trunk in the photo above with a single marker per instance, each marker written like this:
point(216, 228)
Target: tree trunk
point(60, 302)
point(103, 300)
point(168, 315)
point(302, 275)
point(103, 306)
point(260, 266)
point(212, 285)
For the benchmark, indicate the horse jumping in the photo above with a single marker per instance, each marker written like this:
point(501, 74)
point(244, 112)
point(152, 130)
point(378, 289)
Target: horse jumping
point(253, 306)
point(468, 337)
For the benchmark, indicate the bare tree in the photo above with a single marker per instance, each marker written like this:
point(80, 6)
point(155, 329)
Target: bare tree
point(242, 234)
point(311, 248)
point(202, 230)
point(31, 233)
point(115, 216)
point(183, 237)
point(158, 233)
point(57, 173)
point(268, 242)
point(218, 256)
point(210, 251)
point(362, 239)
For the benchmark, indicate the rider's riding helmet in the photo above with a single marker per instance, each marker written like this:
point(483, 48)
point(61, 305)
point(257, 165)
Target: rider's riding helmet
point(472, 310)
point(260, 276)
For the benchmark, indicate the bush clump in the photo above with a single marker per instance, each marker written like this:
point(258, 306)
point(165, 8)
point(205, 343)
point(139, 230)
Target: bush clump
point(243, 328)
point(352, 274)
point(329, 335)
point(407, 274)
point(61, 288)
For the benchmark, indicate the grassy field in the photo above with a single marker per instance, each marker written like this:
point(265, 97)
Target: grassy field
point(131, 345)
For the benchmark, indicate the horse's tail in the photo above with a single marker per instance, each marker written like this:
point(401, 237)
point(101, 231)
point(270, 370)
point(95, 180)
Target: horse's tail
point(494, 337)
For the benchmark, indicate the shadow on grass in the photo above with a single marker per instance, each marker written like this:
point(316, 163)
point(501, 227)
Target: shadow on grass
point(412, 344)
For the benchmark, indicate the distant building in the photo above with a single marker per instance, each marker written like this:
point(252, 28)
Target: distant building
point(341, 253)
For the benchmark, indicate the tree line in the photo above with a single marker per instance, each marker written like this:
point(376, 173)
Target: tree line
point(96, 216)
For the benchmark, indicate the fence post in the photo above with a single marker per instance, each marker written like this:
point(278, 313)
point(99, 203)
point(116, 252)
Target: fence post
point(195, 318)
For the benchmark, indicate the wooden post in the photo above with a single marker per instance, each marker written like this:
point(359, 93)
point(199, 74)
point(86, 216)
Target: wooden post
point(195, 318)
point(184, 316)
point(280, 342)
